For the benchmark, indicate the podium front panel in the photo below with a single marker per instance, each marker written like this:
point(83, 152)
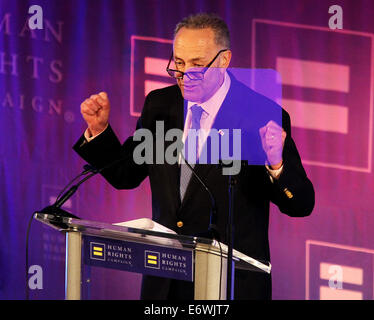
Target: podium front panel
point(136, 257)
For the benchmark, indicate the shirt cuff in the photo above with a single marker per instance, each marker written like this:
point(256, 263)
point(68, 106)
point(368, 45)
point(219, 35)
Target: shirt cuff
point(274, 174)
point(89, 138)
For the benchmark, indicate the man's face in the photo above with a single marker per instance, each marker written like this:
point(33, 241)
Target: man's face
point(193, 50)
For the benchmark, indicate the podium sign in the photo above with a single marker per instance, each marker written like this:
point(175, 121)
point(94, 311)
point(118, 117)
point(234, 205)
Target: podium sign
point(130, 256)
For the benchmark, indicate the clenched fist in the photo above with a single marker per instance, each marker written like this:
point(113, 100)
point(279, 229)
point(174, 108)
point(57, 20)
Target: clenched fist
point(95, 111)
point(272, 139)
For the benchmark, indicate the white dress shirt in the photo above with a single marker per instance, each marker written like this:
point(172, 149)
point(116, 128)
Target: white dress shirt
point(210, 110)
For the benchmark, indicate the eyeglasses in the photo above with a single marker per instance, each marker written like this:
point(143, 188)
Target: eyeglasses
point(192, 75)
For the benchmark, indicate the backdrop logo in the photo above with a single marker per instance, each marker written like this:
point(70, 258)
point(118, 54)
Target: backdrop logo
point(149, 58)
point(97, 251)
point(44, 73)
point(152, 259)
point(327, 90)
point(338, 272)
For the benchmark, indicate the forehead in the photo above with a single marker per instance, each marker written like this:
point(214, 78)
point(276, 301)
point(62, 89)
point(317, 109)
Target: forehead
point(192, 43)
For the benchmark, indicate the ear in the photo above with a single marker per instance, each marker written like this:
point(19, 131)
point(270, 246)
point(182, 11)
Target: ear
point(225, 59)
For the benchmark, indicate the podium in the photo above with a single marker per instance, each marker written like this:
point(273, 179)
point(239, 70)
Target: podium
point(199, 260)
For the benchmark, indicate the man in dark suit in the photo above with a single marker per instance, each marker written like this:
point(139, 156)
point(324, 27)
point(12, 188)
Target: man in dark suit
point(179, 201)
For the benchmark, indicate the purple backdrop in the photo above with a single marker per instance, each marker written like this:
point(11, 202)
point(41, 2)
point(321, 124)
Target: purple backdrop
point(122, 47)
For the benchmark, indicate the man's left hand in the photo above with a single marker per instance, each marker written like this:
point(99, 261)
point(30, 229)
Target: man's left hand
point(272, 139)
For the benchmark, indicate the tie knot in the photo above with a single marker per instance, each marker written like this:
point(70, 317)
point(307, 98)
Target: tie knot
point(197, 111)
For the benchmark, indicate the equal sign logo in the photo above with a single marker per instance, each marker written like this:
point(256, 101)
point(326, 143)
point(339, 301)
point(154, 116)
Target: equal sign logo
point(338, 272)
point(149, 58)
point(152, 259)
point(97, 251)
point(321, 76)
point(328, 90)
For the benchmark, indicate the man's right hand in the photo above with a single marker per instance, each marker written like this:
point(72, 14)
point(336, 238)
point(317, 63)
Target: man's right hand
point(95, 111)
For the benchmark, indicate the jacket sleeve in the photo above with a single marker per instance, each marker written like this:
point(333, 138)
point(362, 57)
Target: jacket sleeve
point(106, 149)
point(292, 192)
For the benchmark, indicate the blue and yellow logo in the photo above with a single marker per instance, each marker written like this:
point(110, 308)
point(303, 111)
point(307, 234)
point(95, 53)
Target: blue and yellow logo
point(152, 259)
point(97, 251)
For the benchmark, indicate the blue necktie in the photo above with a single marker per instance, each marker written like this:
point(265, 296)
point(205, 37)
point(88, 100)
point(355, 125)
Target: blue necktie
point(185, 171)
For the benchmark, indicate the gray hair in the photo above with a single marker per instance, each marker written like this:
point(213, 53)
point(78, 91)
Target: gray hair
point(207, 20)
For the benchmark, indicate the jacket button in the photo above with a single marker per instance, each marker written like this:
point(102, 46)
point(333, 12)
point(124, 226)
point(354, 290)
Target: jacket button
point(288, 193)
point(180, 224)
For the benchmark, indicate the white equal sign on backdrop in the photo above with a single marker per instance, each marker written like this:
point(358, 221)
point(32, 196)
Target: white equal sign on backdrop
point(338, 272)
point(316, 75)
point(327, 88)
point(157, 67)
point(149, 58)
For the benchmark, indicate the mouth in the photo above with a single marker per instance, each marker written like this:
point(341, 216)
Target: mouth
point(189, 87)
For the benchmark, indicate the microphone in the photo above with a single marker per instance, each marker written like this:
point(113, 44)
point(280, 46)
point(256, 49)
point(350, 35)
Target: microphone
point(88, 168)
point(60, 200)
point(212, 232)
point(56, 210)
point(68, 194)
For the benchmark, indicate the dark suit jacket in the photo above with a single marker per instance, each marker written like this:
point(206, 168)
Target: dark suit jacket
point(293, 192)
